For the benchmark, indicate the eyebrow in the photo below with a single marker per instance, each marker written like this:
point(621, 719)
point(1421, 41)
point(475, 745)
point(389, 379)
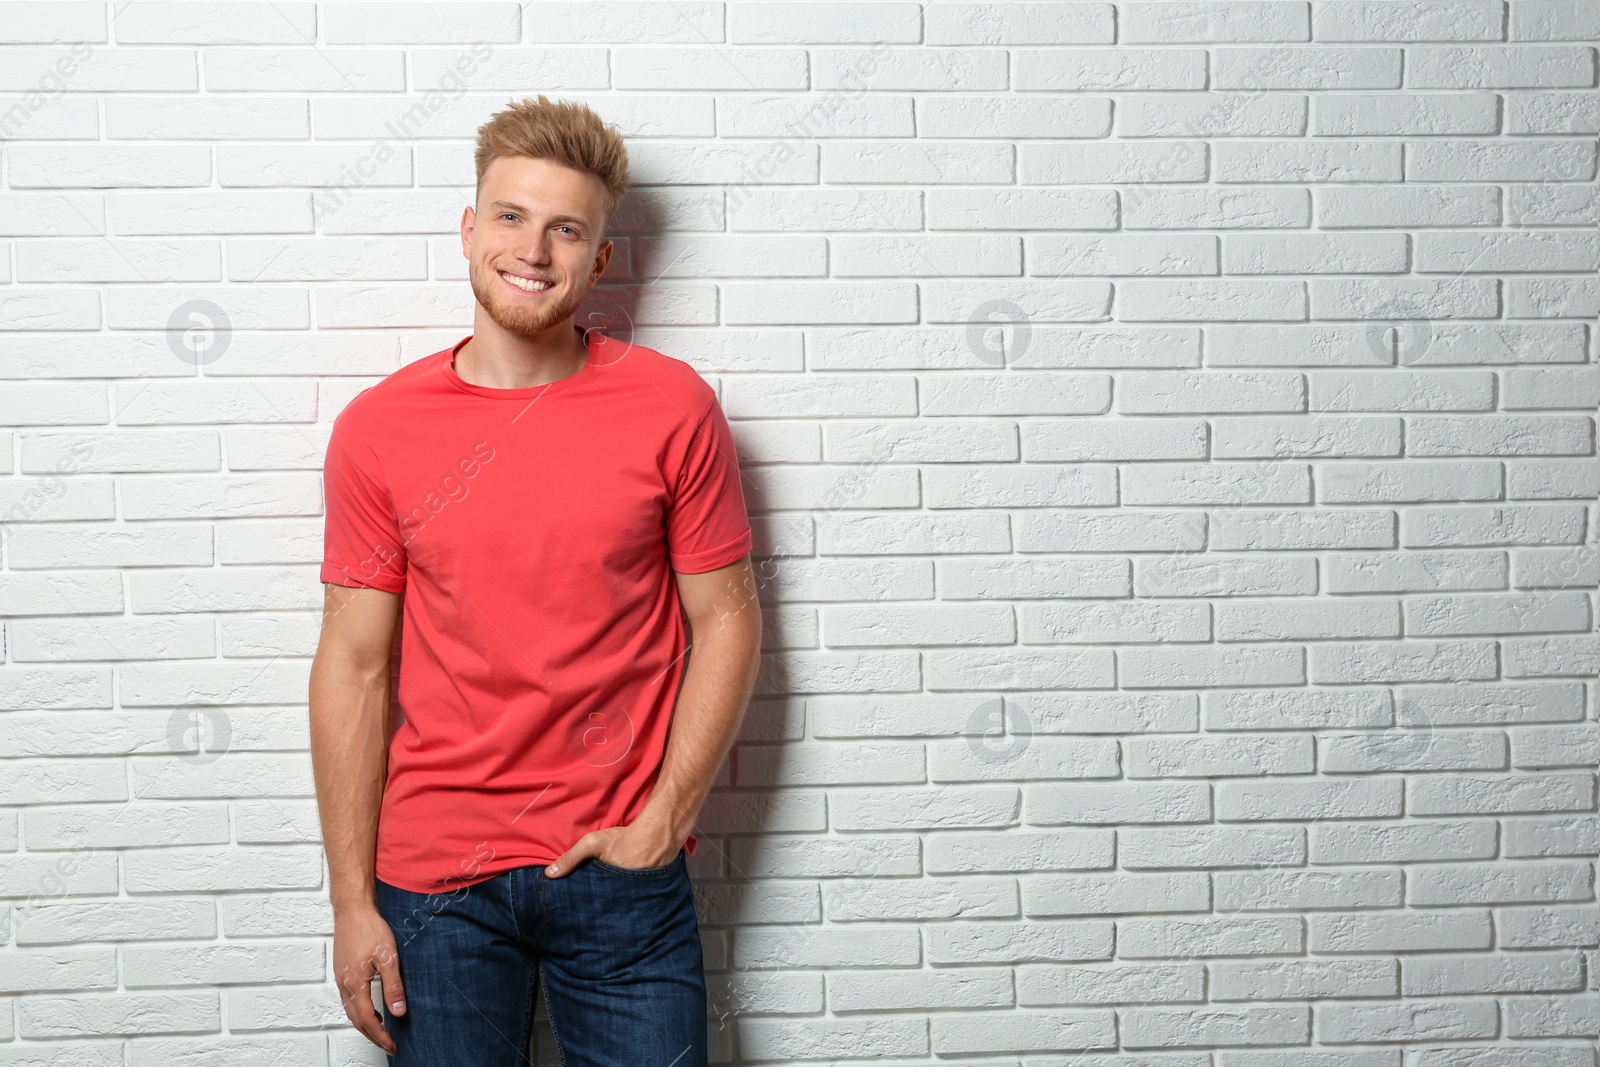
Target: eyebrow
point(524, 211)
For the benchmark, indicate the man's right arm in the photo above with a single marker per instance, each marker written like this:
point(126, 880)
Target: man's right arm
point(350, 699)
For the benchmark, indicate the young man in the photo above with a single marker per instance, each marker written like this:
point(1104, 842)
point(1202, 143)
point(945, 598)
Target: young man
point(551, 515)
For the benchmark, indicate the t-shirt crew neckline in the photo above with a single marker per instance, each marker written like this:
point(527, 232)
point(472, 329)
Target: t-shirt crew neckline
point(592, 341)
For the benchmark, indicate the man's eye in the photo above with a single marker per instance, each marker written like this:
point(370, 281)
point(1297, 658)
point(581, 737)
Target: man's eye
point(508, 216)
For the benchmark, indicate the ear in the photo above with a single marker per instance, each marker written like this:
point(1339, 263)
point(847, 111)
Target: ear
point(469, 217)
point(602, 260)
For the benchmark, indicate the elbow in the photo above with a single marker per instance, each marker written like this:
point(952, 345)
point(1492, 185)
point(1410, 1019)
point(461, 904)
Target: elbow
point(739, 633)
point(347, 668)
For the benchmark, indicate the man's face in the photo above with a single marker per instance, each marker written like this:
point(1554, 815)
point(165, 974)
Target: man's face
point(531, 245)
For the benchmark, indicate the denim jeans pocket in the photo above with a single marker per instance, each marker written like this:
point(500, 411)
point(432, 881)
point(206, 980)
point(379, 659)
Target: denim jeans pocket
point(646, 872)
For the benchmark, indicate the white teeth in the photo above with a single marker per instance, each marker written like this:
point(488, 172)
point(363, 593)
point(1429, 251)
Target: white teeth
point(526, 284)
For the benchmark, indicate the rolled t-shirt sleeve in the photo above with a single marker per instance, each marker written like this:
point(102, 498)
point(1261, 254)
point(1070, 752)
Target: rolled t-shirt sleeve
point(362, 545)
point(707, 524)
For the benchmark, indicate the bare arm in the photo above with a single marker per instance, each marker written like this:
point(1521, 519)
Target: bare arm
point(725, 624)
point(725, 627)
point(350, 698)
point(351, 691)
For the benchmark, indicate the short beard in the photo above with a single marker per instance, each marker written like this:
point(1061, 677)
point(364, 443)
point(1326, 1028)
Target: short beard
point(521, 321)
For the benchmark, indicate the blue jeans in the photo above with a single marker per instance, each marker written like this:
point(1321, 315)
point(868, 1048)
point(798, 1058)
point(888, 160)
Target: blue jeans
point(616, 949)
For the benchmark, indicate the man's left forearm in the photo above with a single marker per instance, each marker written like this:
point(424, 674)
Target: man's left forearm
point(717, 685)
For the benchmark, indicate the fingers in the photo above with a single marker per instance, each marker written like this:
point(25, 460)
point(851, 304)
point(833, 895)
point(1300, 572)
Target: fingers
point(394, 994)
point(590, 844)
point(355, 990)
point(564, 863)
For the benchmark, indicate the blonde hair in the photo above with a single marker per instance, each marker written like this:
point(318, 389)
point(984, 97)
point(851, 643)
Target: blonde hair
point(563, 132)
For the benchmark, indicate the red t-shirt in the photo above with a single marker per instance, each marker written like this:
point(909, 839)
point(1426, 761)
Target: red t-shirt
point(534, 534)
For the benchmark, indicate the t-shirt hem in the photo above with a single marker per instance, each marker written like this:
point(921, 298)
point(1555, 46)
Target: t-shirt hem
point(433, 888)
point(712, 558)
point(333, 574)
point(461, 882)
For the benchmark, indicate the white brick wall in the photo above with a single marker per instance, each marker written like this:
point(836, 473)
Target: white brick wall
point(1204, 390)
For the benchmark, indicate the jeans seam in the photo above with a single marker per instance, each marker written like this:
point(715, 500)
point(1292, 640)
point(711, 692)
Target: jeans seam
point(544, 911)
point(523, 1053)
point(516, 911)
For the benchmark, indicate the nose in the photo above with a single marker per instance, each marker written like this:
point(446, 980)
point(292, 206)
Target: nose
point(535, 250)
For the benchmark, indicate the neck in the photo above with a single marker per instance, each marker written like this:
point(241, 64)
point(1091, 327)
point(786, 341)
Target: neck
point(498, 359)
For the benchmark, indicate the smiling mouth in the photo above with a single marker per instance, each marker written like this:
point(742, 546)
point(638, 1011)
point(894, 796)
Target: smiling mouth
point(526, 285)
